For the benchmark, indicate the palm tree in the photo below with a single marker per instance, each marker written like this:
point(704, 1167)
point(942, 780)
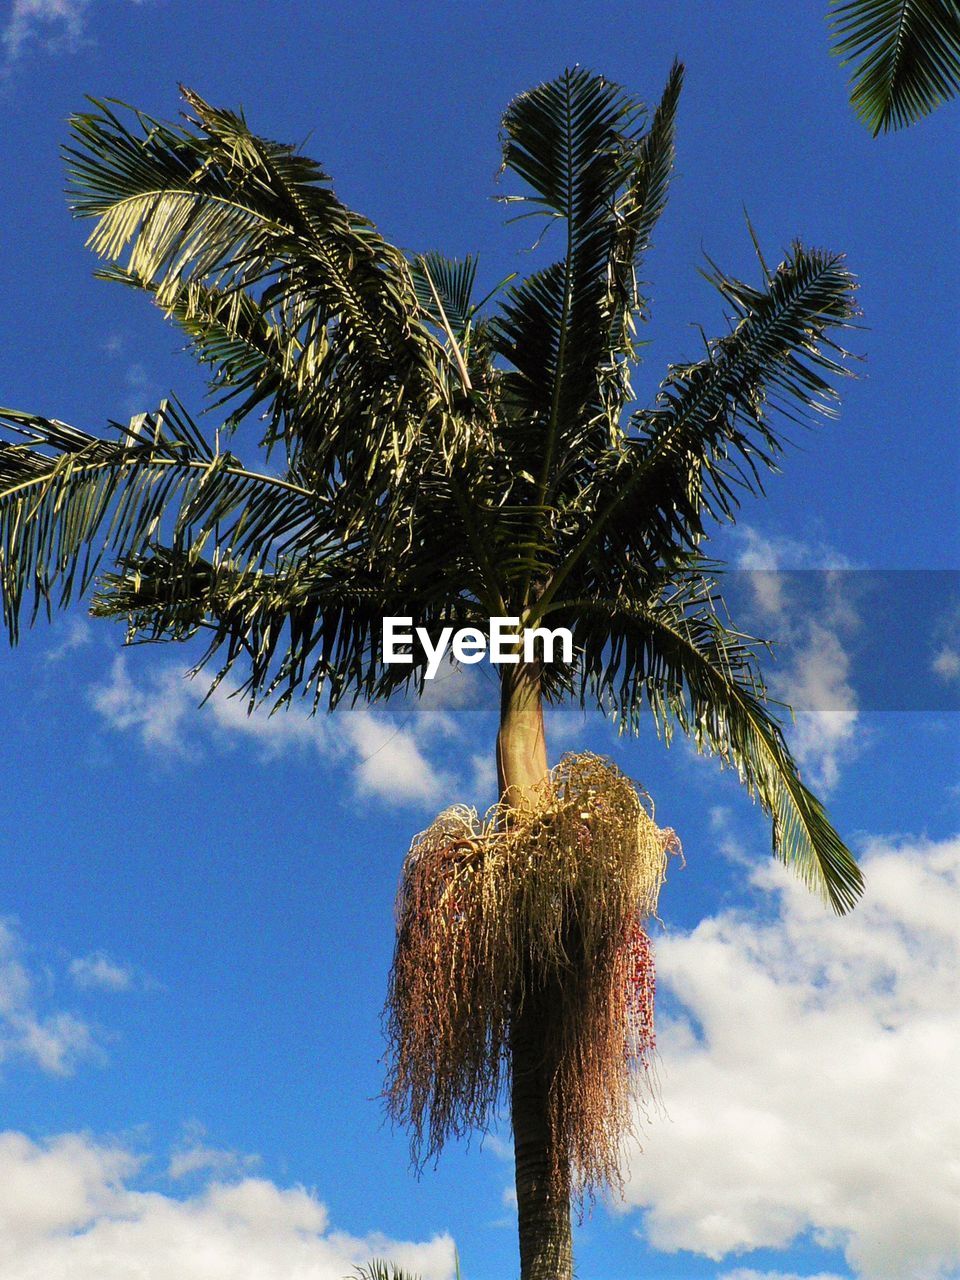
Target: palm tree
point(435, 457)
point(907, 56)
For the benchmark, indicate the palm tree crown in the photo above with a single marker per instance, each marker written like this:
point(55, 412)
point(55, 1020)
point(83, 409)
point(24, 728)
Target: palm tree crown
point(439, 459)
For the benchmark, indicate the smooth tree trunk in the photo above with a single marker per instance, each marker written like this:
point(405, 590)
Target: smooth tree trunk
point(546, 1251)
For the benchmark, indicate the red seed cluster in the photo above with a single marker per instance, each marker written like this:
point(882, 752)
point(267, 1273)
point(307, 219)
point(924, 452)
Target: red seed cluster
point(641, 984)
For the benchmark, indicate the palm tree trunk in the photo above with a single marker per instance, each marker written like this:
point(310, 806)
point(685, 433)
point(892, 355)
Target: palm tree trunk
point(544, 1210)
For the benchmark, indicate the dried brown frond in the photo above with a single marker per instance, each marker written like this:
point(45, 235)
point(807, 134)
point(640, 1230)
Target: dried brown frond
point(494, 912)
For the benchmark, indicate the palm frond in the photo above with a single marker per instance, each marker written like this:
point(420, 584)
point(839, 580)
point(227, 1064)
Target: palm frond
point(218, 202)
point(905, 56)
point(308, 619)
point(566, 140)
point(444, 289)
point(183, 538)
point(306, 626)
point(204, 211)
point(69, 499)
point(710, 436)
point(565, 332)
point(377, 1269)
point(253, 360)
point(641, 203)
point(677, 659)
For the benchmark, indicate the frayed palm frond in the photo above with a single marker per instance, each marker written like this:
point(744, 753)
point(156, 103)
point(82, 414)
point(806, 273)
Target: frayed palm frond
point(378, 1269)
point(495, 911)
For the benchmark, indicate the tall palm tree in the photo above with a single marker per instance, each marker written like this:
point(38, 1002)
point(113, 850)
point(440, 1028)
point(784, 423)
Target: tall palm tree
point(906, 56)
point(435, 457)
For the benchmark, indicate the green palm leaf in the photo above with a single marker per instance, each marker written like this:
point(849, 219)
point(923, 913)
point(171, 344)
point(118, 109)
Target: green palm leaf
point(678, 659)
point(578, 144)
point(905, 56)
point(565, 331)
point(710, 436)
point(207, 212)
point(252, 358)
point(380, 1270)
point(566, 139)
point(377, 1269)
point(303, 626)
point(444, 289)
point(640, 205)
point(220, 204)
point(68, 499)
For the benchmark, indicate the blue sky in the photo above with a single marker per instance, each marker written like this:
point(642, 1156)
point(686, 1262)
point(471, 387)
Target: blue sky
point(197, 907)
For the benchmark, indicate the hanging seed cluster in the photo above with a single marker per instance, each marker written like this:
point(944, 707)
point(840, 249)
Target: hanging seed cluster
point(545, 903)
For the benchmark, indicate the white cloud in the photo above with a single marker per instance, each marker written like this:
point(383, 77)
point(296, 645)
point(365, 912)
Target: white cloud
point(810, 1084)
point(195, 1156)
point(818, 685)
point(77, 634)
point(387, 758)
point(565, 726)
point(203, 1159)
point(760, 551)
point(276, 735)
point(156, 710)
point(745, 1273)
point(390, 764)
point(55, 1041)
point(68, 1213)
point(142, 393)
point(55, 24)
point(483, 784)
point(62, 19)
point(945, 636)
point(817, 682)
point(99, 971)
point(728, 845)
point(946, 664)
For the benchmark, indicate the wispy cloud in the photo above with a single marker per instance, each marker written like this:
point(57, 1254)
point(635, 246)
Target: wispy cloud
point(75, 635)
point(946, 638)
point(142, 393)
point(728, 844)
point(817, 683)
point(194, 1156)
point(57, 21)
point(388, 757)
point(759, 552)
point(155, 710)
point(68, 1209)
point(946, 663)
point(55, 1041)
point(810, 1083)
point(55, 25)
point(389, 762)
point(98, 972)
point(746, 1273)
